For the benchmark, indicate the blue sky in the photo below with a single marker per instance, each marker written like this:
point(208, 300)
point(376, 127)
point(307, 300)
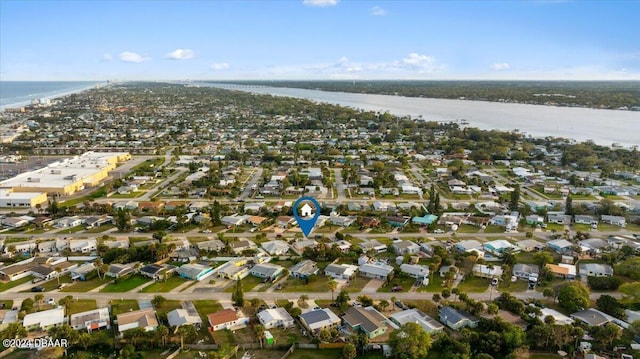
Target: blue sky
point(319, 39)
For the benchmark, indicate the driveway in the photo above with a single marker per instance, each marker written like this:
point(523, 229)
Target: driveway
point(372, 286)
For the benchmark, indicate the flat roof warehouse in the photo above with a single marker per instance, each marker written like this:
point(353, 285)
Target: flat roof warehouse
point(67, 176)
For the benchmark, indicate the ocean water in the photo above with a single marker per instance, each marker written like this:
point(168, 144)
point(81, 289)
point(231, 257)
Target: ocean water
point(603, 127)
point(18, 93)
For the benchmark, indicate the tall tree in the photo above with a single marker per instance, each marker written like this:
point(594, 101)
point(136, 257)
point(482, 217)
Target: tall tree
point(437, 208)
point(410, 341)
point(568, 206)
point(515, 198)
point(123, 219)
point(238, 295)
point(332, 286)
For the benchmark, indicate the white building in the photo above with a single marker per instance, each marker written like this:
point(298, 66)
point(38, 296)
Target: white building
point(276, 318)
point(45, 319)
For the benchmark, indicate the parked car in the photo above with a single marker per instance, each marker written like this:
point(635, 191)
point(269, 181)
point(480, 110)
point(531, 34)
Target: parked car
point(438, 231)
point(37, 289)
point(494, 282)
point(396, 288)
point(51, 301)
point(399, 304)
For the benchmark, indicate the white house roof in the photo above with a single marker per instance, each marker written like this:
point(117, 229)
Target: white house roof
point(418, 317)
point(377, 268)
point(270, 315)
point(276, 246)
point(415, 269)
point(44, 318)
point(181, 316)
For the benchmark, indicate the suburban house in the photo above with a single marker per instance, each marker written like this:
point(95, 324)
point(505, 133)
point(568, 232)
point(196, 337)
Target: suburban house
point(299, 246)
point(232, 221)
point(499, 246)
point(275, 248)
point(558, 218)
point(214, 245)
point(376, 270)
point(372, 245)
point(593, 245)
point(469, 245)
point(143, 318)
point(395, 221)
point(595, 270)
point(91, 320)
point(614, 220)
point(226, 319)
point(585, 219)
point(44, 320)
point(80, 273)
point(593, 317)
point(487, 271)
point(304, 269)
point(120, 270)
point(429, 324)
point(425, 220)
point(457, 319)
point(275, 318)
point(194, 271)
point(419, 272)
point(268, 271)
point(529, 245)
point(341, 271)
point(562, 270)
point(560, 245)
point(316, 320)
point(242, 245)
point(68, 222)
point(153, 271)
point(83, 245)
point(180, 316)
point(342, 245)
point(405, 247)
point(366, 320)
point(558, 317)
point(526, 271)
point(236, 269)
point(97, 221)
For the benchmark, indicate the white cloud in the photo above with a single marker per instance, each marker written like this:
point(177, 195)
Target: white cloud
point(107, 57)
point(320, 3)
point(128, 56)
point(181, 54)
point(377, 11)
point(219, 66)
point(500, 66)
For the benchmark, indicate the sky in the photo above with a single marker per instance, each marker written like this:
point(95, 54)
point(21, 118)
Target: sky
point(319, 39)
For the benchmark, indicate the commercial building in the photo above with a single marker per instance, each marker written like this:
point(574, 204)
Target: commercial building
point(67, 176)
point(13, 199)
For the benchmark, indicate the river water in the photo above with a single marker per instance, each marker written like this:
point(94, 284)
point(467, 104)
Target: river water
point(603, 127)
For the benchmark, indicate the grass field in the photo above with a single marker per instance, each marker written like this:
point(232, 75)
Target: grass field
point(466, 228)
point(101, 228)
point(125, 285)
point(474, 284)
point(9, 285)
point(168, 306)
point(87, 285)
point(123, 306)
point(494, 229)
point(513, 287)
point(248, 283)
point(81, 305)
point(405, 282)
point(320, 284)
point(163, 286)
point(426, 306)
point(357, 284)
point(206, 307)
point(75, 229)
point(435, 284)
point(53, 284)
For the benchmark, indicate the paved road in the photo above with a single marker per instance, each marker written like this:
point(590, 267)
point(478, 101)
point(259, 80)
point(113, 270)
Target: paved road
point(270, 296)
point(339, 183)
point(256, 176)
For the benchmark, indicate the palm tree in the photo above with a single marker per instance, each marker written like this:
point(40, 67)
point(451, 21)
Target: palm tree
point(162, 331)
point(384, 304)
point(98, 264)
point(38, 298)
point(58, 271)
point(332, 286)
point(84, 339)
point(259, 330)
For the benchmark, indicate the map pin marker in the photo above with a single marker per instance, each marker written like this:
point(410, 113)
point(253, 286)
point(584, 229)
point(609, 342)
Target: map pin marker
point(304, 215)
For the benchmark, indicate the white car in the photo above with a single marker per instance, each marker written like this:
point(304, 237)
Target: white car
point(51, 301)
point(438, 231)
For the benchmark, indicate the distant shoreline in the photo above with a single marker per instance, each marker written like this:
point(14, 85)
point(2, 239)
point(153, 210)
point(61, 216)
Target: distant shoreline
point(49, 95)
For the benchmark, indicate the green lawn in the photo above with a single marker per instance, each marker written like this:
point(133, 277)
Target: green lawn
point(525, 257)
point(248, 283)
point(513, 287)
point(603, 227)
point(133, 194)
point(75, 229)
point(9, 285)
point(544, 356)
point(101, 228)
point(164, 286)
point(357, 284)
point(206, 307)
point(467, 228)
point(316, 354)
point(559, 228)
point(435, 284)
point(320, 284)
point(87, 285)
point(125, 285)
point(405, 282)
point(426, 306)
point(168, 306)
point(8, 304)
point(494, 229)
point(473, 284)
point(53, 284)
point(123, 306)
point(81, 305)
